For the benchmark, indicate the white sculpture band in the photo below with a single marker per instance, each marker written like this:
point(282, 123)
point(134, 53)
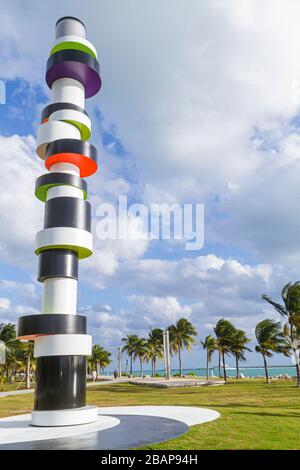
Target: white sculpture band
point(70, 238)
point(54, 130)
point(63, 345)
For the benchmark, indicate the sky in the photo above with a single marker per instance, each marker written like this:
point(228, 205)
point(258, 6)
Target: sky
point(200, 103)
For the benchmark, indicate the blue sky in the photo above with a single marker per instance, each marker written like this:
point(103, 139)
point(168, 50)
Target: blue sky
point(199, 104)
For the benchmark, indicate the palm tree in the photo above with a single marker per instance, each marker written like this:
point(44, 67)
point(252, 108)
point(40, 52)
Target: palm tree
point(10, 345)
point(129, 346)
point(219, 359)
point(270, 339)
point(140, 351)
point(26, 357)
point(238, 348)
point(155, 347)
point(290, 311)
point(210, 344)
point(224, 331)
point(100, 357)
point(126, 366)
point(182, 336)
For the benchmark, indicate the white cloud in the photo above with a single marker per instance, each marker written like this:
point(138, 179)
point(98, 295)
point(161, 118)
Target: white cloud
point(158, 312)
point(18, 298)
point(4, 303)
point(20, 212)
point(201, 97)
point(190, 277)
point(202, 289)
point(262, 217)
point(185, 99)
point(108, 327)
point(109, 253)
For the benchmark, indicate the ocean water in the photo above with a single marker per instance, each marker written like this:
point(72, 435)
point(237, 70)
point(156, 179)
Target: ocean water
point(231, 372)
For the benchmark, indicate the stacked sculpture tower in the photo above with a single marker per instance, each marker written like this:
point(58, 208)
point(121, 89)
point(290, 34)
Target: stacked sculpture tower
point(61, 343)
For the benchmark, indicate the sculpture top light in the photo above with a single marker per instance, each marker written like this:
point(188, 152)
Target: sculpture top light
point(60, 340)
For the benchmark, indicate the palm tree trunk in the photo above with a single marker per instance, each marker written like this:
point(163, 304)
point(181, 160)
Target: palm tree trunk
point(207, 363)
point(141, 362)
point(224, 368)
point(28, 371)
point(296, 354)
point(266, 369)
point(237, 367)
point(180, 364)
point(220, 375)
point(154, 366)
point(130, 364)
point(298, 373)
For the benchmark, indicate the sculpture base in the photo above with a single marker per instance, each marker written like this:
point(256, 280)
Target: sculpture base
point(71, 417)
point(116, 428)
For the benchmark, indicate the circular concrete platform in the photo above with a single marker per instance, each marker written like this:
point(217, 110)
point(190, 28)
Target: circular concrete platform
point(16, 429)
point(116, 428)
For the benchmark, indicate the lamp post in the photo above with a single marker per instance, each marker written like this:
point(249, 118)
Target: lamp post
point(61, 343)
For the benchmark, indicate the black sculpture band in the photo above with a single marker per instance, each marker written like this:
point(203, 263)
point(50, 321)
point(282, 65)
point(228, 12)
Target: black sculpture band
point(61, 382)
point(58, 263)
point(72, 55)
point(51, 108)
point(67, 212)
point(71, 146)
point(30, 326)
point(75, 64)
point(48, 180)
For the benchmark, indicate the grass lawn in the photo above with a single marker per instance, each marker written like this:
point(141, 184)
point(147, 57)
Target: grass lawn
point(13, 386)
point(254, 415)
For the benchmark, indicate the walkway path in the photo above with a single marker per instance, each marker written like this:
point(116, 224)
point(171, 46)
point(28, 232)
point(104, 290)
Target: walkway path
point(89, 384)
point(150, 381)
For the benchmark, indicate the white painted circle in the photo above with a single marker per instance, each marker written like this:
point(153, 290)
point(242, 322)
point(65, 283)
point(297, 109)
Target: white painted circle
point(63, 345)
point(186, 414)
point(18, 429)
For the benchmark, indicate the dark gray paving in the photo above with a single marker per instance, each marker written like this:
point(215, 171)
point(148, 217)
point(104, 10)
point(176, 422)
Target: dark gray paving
point(133, 431)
